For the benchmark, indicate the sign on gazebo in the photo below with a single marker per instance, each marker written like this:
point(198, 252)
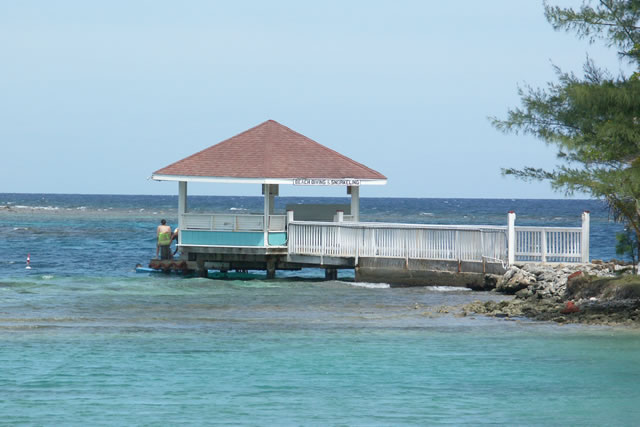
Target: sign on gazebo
point(326, 181)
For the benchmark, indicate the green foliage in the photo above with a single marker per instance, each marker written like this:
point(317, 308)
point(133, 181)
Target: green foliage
point(624, 245)
point(627, 245)
point(593, 119)
point(615, 21)
point(626, 286)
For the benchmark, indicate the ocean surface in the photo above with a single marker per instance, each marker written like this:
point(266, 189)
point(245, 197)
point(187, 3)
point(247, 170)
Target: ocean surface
point(85, 340)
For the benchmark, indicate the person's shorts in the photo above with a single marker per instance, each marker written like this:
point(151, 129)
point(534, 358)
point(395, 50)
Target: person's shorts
point(165, 252)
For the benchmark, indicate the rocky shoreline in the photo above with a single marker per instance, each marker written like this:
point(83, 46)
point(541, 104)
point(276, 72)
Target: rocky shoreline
point(602, 293)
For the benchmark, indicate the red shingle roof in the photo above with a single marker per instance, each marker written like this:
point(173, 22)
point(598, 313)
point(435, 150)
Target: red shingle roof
point(269, 150)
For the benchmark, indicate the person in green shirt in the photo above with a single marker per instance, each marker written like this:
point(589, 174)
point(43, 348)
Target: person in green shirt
point(163, 234)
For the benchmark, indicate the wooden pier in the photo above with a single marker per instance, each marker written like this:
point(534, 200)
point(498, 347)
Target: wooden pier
point(401, 254)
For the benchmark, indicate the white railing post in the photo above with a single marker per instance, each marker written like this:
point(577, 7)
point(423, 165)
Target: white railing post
point(406, 248)
point(359, 236)
point(511, 236)
point(289, 217)
point(543, 245)
point(584, 241)
point(338, 242)
point(323, 244)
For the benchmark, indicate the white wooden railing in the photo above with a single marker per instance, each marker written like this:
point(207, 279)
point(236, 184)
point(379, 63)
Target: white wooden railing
point(409, 241)
point(412, 241)
point(548, 244)
point(232, 222)
point(441, 242)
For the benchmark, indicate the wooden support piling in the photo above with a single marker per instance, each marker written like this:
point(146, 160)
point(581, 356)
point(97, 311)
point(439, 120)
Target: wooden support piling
point(331, 274)
point(271, 268)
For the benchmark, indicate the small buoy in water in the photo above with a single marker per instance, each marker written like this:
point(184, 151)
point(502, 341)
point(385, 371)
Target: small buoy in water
point(28, 267)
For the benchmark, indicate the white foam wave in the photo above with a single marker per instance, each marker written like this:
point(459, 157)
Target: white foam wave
point(42, 208)
point(370, 285)
point(427, 213)
point(448, 288)
point(238, 209)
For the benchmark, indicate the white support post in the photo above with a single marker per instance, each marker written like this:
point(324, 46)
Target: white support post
point(543, 245)
point(267, 209)
point(273, 190)
point(288, 220)
point(584, 241)
point(182, 207)
point(339, 218)
point(511, 237)
point(355, 202)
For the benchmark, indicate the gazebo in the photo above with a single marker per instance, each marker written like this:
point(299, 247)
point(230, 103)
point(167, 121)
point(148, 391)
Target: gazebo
point(272, 155)
point(332, 236)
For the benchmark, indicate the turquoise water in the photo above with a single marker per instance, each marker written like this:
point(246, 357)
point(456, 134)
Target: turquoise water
point(164, 350)
point(86, 340)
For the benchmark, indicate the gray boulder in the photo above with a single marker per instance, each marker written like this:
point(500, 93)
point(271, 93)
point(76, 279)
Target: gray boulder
point(512, 283)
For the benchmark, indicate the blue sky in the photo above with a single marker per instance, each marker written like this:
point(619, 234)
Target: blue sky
point(98, 95)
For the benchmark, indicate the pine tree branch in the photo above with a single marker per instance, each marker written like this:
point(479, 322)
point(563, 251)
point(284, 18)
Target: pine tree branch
point(625, 28)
